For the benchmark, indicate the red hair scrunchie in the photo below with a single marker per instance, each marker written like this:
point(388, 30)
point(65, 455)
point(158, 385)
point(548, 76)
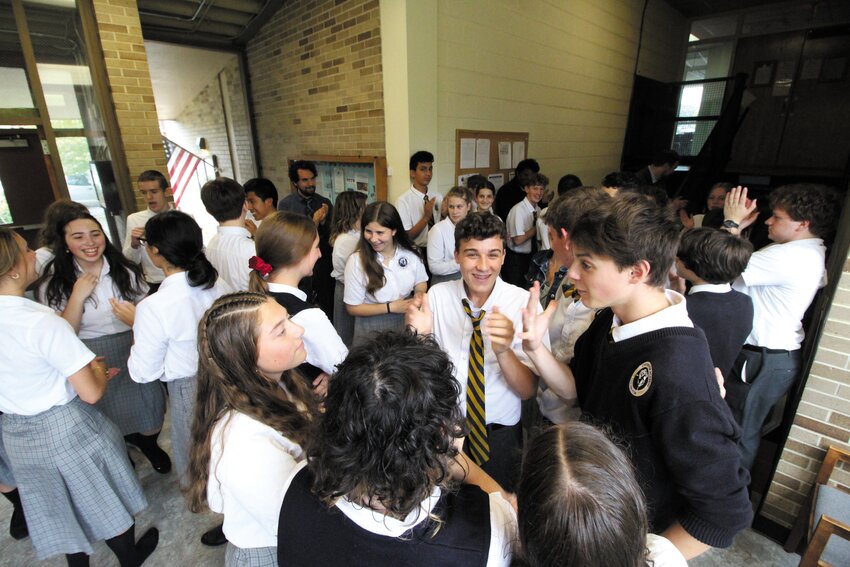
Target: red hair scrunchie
point(260, 266)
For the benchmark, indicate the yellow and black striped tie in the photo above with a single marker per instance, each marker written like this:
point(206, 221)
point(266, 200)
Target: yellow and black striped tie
point(476, 415)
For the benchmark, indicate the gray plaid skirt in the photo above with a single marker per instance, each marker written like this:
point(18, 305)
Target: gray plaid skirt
point(181, 401)
point(6, 476)
point(343, 322)
point(250, 557)
point(365, 327)
point(133, 407)
point(76, 482)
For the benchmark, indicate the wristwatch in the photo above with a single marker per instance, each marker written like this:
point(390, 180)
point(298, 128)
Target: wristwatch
point(729, 224)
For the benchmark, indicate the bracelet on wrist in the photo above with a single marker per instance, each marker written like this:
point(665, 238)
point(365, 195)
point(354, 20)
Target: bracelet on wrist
point(388, 307)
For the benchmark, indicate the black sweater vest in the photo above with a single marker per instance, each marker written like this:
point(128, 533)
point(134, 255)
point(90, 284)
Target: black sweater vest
point(312, 535)
point(726, 319)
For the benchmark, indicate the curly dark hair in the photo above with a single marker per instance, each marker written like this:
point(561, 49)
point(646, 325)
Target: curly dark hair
point(228, 379)
point(60, 273)
point(818, 204)
point(387, 435)
point(480, 225)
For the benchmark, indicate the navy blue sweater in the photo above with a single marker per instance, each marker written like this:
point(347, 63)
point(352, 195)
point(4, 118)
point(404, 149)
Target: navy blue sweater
point(726, 319)
point(657, 392)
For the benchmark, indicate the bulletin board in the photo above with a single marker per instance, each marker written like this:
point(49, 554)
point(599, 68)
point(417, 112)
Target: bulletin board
point(336, 174)
point(488, 153)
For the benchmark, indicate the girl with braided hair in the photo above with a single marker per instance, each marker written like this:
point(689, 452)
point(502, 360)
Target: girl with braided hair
point(250, 422)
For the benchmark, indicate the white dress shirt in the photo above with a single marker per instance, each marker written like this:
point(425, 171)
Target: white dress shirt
point(38, 352)
point(166, 330)
point(503, 521)
point(521, 220)
point(249, 466)
point(344, 246)
point(782, 280)
point(441, 249)
point(324, 348)
point(98, 319)
point(453, 331)
point(139, 255)
point(42, 256)
point(411, 207)
point(229, 251)
point(676, 315)
point(543, 231)
point(404, 271)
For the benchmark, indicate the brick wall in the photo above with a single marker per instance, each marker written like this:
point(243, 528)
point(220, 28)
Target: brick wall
point(204, 117)
point(129, 78)
point(315, 75)
point(823, 417)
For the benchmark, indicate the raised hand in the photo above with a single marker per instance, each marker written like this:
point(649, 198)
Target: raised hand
point(84, 286)
point(535, 325)
point(124, 310)
point(419, 315)
point(739, 209)
point(499, 330)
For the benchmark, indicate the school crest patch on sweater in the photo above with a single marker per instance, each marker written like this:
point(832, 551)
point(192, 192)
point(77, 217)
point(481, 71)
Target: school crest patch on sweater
point(641, 380)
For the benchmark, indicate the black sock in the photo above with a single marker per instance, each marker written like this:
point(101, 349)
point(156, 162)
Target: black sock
point(18, 525)
point(77, 559)
point(130, 553)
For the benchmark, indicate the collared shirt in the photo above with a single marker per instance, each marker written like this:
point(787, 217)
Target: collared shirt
point(411, 207)
point(502, 521)
point(521, 220)
point(229, 251)
point(543, 231)
point(42, 256)
point(139, 255)
point(453, 331)
point(38, 352)
point(166, 330)
point(324, 348)
point(782, 280)
point(98, 319)
point(249, 465)
point(295, 203)
point(344, 246)
point(441, 249)
point(676, 315)
point(404, 271)
point(710, 288)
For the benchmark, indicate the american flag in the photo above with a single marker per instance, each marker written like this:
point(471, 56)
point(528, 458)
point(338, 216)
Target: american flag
point(182, 165)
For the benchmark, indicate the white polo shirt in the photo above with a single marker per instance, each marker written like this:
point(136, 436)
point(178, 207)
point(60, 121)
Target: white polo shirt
point(229, 251)
point(521, 220)
point(38, 352)
point(441, 249)
point(453, 331)
point(411, 207)
point(344, 246)
point(782, 280)
point(403, 273)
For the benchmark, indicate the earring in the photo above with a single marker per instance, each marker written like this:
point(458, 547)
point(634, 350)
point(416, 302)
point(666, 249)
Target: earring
point(15, 276)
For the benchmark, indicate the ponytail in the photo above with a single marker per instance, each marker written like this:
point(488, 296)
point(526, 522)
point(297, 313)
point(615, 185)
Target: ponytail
point(201, 273)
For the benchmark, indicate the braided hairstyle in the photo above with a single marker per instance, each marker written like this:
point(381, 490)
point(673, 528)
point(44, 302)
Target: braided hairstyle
point(228, 379)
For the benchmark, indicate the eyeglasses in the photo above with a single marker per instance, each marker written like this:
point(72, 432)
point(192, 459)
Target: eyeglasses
point(143, 241)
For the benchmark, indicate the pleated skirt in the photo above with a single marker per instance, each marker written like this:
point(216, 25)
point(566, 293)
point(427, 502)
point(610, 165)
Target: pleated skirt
point(250, 557)
point(181, 402)
point(133, 407)
point(76, 483)
point(6, 476)
point(365, 327)
point(343, 322)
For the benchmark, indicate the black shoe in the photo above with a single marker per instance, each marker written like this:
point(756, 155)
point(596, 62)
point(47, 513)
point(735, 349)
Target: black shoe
point(146, 544)
point(158, 458)
point(214, 536)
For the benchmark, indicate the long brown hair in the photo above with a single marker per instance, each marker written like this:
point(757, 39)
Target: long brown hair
point(10, 251)
point(387, 216)
point(283, 239)
point(348, 209)
point(228, 379)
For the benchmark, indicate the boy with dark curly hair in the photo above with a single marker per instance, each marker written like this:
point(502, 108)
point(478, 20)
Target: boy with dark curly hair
point(782, 280)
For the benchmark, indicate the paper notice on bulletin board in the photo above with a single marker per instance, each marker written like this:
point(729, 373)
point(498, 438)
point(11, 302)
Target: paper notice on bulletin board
point(482, 153)
point(467, 153)
point(497, 179)
point(462, 179)
point(519, 153)
point(504, 155)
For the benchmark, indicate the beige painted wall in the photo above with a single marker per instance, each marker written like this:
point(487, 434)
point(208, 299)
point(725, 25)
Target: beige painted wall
point(562, 71)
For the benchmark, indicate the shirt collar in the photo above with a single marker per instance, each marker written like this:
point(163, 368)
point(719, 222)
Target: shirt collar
point(285, 288)
point(490, 299)
point(676, 315)
point(421, 196)
point(234, 231)
point(377, 523)
point(711, 288)
point(175, 280)
point(531, 207)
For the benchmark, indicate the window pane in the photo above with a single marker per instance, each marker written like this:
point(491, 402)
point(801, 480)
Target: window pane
point(689, 136)
point(5, 213)
point(711, 28)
